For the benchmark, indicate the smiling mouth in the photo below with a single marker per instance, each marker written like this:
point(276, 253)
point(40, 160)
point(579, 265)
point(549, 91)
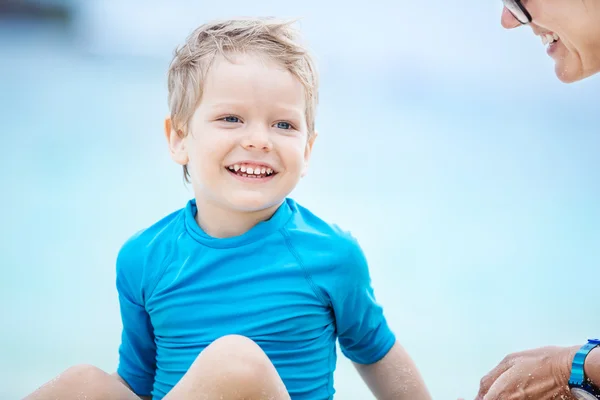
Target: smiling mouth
point(251, 171)
point(548, 39)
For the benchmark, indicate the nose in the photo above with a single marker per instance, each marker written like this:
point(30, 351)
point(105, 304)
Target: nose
point(257, 139)
point(508, 20)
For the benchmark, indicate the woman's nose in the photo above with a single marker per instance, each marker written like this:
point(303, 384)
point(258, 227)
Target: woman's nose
point(508, 20)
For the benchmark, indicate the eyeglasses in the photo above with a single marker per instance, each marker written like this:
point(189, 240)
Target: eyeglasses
point(518, 10)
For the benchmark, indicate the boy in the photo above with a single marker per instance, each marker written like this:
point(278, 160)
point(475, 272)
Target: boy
point(242, 293)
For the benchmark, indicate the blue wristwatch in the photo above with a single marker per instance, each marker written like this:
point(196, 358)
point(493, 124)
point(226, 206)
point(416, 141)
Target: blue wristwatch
point(581, 387)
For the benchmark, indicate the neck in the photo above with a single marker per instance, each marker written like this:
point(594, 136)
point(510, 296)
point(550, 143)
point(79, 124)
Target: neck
point(597, 56)
point(222, 222)
point(595, 34)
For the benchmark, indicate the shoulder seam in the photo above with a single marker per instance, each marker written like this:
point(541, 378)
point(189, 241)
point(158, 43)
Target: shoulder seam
point(322, 298)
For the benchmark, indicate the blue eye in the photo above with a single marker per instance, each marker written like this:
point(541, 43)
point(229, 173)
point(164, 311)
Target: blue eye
point(231, 119)
point(284, 125)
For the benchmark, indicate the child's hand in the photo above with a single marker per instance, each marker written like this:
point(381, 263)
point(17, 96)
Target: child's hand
point(540, 374)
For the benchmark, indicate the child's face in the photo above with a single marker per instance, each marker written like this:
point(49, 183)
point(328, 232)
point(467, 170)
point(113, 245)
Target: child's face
point(247, 145)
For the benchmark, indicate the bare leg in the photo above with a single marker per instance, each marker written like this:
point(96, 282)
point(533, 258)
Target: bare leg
point(83, 382)
point(231, 368)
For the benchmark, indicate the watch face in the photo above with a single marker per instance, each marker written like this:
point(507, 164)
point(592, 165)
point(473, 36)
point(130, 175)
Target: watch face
point(581, 394)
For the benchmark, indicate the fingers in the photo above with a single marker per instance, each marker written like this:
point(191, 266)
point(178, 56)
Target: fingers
point(487, 381)
point(501, 389)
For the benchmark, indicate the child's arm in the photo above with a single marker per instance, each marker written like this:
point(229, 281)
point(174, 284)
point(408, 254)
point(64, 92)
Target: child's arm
point(137, 352)
point(395, 376)
point(365, 337)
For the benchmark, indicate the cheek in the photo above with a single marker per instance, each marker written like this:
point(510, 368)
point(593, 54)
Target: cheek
point(294, 156)
point(206, 155)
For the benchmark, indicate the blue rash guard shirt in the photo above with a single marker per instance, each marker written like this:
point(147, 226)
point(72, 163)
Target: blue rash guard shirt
point(294, 284)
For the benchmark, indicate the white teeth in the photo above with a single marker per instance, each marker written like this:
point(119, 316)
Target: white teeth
point(252, 172)
point(548, 38)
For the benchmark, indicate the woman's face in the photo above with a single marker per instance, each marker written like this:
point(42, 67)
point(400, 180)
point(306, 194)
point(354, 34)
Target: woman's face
point(570, 30)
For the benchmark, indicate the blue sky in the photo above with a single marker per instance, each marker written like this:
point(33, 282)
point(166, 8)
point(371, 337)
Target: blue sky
point(468, 172)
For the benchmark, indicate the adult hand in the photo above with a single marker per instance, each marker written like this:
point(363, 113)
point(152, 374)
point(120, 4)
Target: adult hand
point(540, 374)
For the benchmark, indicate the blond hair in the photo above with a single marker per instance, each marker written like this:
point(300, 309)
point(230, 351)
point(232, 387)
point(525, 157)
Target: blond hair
point(270, 37)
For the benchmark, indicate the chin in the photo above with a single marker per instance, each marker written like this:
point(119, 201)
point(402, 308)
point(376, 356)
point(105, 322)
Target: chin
point(566, 78)
point(567, 74)
point(252, 202)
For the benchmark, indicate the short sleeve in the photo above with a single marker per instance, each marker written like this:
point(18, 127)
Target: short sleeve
point(363, 332)
point(137, 352)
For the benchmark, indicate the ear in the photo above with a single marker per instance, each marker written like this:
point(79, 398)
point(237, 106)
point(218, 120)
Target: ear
point(308, 152)
point(176, 141)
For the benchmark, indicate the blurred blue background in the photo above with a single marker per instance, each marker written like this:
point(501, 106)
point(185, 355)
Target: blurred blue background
point(469, 173)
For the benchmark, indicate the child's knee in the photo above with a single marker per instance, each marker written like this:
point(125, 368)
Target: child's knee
point(83, 373)
point(236, 343)
point(238, 357)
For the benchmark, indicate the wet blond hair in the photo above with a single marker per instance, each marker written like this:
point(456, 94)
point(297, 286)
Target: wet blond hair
point(276, 39)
